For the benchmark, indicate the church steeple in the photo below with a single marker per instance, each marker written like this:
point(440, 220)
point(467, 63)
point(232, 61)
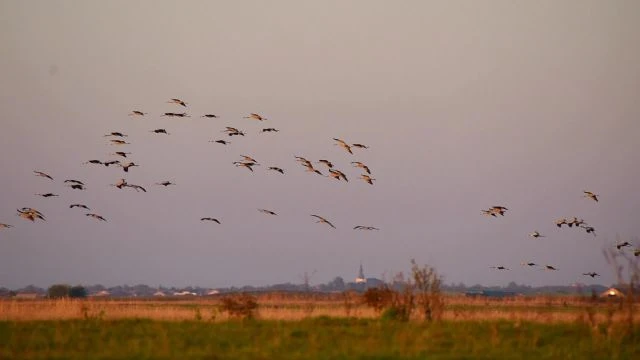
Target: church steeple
point(361, 279)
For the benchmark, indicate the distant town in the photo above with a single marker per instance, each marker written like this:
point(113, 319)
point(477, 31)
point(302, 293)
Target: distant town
point(338, 284)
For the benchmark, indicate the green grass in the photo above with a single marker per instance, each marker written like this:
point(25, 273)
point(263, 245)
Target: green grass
point(319, 338)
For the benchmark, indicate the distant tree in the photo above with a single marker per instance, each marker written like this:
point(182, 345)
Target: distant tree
point(337, 284)
point(77, 292)
point(58, 291)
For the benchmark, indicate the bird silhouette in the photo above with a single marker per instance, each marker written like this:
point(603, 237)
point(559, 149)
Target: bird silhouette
point(96, 216)
point(275, 168)
point(323, 220)
point(255, 117)
point(42, 174)
point(590, 195)
point(177, 101)
point(623, 244)
point(210, 219)
point(79, 206)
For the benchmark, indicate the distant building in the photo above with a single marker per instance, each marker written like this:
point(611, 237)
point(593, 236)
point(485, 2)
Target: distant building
point(374, 282)
point(184, 293)
point(25, 295)
point(213, 292)
point(612, 293)
point(103, 293)
point(360, 279)
point(159, 293)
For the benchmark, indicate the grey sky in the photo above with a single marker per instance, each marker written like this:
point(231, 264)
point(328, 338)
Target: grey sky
point(464, 104)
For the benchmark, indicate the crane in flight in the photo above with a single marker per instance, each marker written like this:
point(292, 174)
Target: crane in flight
point(323, 220)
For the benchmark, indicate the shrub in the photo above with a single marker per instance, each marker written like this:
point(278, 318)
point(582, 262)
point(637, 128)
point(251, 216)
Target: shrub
point(240, 305)
point(378, 298)
point(426, 283)
point(58, 291)
point(77, 292)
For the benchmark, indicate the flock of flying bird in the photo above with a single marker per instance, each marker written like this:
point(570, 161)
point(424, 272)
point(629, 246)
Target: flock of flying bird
point(494, 211)
point(248, 162)
point(118, 138)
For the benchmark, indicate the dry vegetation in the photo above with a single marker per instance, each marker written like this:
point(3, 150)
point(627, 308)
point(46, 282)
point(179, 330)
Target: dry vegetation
point(283, 306)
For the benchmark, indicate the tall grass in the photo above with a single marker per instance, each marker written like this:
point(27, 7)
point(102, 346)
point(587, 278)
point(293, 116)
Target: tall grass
point(314, 338)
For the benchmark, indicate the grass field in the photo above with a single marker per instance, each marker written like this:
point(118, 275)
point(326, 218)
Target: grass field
point(291, 327)
point(315, 338)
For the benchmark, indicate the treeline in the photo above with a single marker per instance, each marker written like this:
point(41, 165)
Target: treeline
point(336, 285)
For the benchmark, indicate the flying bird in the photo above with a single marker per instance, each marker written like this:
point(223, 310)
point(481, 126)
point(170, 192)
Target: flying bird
point(79, 206)
point(536, 234)
point(489, 212)
point(275, 168)
point(120, 184)
point(42, 174)
point(636, 252)
point(116, 133)
point(269, 130)
point(126, 166)
point(121, 153)
point(210, 219)
point(590, 230)
point(362, 166)
point(248, 158)
point(360, 146)
point(268, 212)
point(137, 113)
point(310, 168)
point(361, 227)
point(5, 226)
point(528, 264)
point(165, 183)
point(337, 174)
point(30, 214)
point(500, 267)
point(367, 178)
point(96, 216)
point(160, 131)
point(255, 117)
point(621, 245)
point(561, 222)
point(590, 195)
point(323, 220)
point(178, 102)
point(119, 142)
point(97, 162)
point(112, 162)
point(592, 274)
point(223, 142)
point(71, 181)
point(247, 165)
point(498, 210)
point(47, 195)
point(343, 144)
point(137, 188)
point(549, 267)
point(210, 116)
point(328, 163)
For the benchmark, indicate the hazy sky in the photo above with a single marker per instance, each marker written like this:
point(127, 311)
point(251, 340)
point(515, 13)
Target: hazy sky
point(464, 104)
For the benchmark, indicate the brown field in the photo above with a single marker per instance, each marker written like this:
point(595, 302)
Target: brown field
point(278, 306)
